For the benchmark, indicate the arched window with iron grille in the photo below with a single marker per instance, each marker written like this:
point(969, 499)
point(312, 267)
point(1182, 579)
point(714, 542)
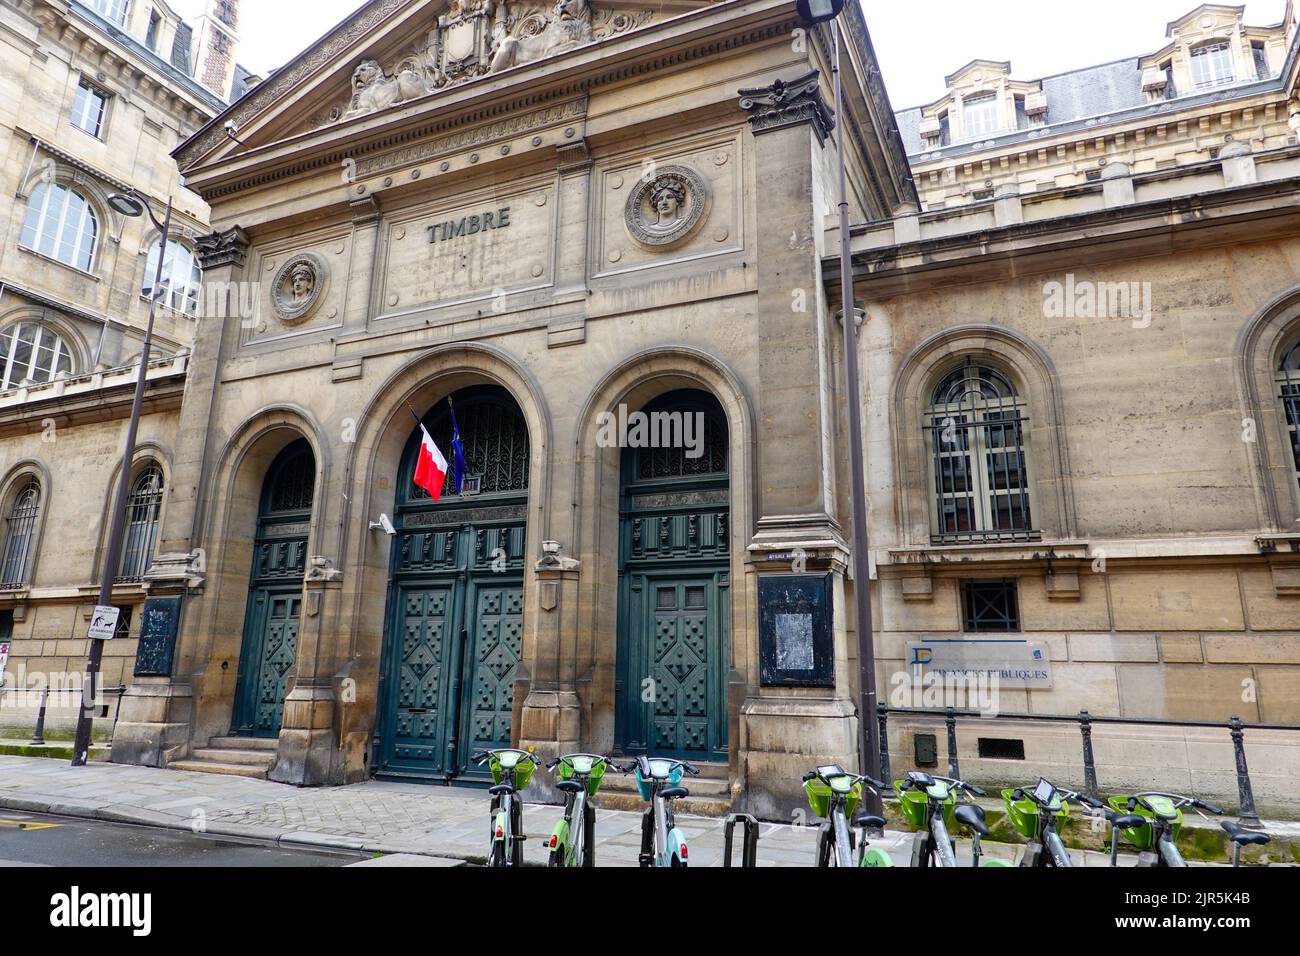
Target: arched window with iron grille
point(976, 432)
point(20, 536)
point(142, 512)
point(1288, 383)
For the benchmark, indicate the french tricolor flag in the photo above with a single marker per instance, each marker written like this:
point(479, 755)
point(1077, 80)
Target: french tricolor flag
point(431, 468)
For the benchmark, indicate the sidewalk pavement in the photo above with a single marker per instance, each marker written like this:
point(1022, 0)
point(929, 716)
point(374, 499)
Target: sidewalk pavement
point(438, 824)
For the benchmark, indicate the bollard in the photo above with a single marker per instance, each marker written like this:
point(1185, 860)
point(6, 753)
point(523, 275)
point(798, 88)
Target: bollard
point(38, 738)
point(1248, 815)
point(954, 769)
point(1090, 786)
point(883, 714)
point(749, 858)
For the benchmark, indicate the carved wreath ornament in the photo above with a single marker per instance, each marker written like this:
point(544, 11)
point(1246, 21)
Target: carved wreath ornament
point(298, 287)
point(667, 207)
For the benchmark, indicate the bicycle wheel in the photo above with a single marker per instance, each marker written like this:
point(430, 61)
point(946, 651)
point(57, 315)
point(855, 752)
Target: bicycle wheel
point(589, 835)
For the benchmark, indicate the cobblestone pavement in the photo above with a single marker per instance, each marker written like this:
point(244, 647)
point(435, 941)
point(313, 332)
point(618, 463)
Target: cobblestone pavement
point(369, 818)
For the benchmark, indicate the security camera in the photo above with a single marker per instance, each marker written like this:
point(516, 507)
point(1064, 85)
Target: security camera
point(384, 524)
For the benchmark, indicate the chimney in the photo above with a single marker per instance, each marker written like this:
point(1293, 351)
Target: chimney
point(217, 38)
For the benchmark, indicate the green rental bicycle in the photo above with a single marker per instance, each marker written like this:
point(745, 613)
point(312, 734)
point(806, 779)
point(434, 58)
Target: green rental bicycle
point(573, 841)
point(834, 794)
point(1162, 820)
point(1038, 814)
point(933, 806)
point(511, 772)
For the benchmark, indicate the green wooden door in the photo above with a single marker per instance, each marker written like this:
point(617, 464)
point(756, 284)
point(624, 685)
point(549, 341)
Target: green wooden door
point(674, 593)
point(675, 668)
point(454, 636)
point(274, 610)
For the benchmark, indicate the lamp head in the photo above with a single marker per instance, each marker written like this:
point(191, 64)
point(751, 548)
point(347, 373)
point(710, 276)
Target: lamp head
point(126, 205)
point(819, 11)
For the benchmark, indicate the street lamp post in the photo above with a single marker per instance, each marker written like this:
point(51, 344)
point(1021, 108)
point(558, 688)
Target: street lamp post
point(130, 204)
point(814, 12)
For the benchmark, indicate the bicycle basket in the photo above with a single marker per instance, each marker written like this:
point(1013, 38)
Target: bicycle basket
point(819, 798)
point(1142, 837)
point(913, 803)
point(1023, 814)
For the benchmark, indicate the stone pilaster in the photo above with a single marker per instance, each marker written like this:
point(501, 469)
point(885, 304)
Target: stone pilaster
point(308, 753)
point(157, 711)
point(551, 716)
point(787, 730)
point(155, 721)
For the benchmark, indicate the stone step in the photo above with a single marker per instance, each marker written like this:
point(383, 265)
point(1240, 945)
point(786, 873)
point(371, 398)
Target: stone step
point(710, 792)
point(251, 758)
point(212, 766)
point(244, 743)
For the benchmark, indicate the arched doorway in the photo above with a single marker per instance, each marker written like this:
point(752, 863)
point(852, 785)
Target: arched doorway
point(674, 580)
point(274, 609)
point(454, 631)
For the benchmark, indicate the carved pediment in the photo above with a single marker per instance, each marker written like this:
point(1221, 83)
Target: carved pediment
point(477, 37)
point(392, 52)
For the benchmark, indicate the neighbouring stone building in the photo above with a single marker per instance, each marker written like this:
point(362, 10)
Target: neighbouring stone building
point(560, 215)
point(96, 96)
point(1107, 259)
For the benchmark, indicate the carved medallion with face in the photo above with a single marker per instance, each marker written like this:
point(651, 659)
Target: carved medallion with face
point(668, 207)
point(296, 289)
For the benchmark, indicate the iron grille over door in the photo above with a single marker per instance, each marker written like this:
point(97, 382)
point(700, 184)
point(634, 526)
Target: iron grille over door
point(976, 432)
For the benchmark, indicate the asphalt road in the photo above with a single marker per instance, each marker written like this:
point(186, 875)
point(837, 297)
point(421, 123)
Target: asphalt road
point(37, 840)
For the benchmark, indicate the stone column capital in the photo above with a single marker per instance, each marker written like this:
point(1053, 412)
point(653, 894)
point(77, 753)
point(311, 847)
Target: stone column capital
point(789, 103)
point(228, 248)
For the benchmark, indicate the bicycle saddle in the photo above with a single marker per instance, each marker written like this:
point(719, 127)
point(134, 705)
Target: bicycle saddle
point(569, 786)
point(1127, 821)
point(1243, 836)
point(673, 793)
point(868, 821)
point(973, 817)
point(501, 789)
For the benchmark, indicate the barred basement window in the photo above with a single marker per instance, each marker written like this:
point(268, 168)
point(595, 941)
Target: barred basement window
point(976, 432)
point(1288, 381)
point(990, 607)
point(142, 511)
point(20, 536)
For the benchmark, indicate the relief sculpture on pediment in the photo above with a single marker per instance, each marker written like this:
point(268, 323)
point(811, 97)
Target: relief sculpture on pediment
point(477, 37)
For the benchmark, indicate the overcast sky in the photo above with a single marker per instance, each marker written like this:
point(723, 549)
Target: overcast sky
point(918, 41)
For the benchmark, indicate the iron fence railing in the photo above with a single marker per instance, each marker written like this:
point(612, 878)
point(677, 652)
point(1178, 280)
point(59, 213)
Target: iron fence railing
point(1236, 727)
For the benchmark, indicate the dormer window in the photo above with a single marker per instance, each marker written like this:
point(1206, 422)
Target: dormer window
point(1212, 66)
point(980, 116)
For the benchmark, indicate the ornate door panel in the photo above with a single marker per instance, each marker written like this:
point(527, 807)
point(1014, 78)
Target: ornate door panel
point(674, 593)
point(271, 621)
point(426, 626)
point(675, 695)
point(496, 644)
point(270, 637)
point(454, 633)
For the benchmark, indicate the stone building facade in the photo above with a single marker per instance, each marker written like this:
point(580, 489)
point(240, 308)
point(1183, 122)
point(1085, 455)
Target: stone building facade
point(97, 95)
point(1106, 259)
point(560, 216)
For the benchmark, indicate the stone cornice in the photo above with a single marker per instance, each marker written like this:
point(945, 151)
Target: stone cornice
point(1140, 229)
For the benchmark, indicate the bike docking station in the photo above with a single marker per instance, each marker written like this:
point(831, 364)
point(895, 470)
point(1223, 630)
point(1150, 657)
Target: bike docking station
point(749, 855)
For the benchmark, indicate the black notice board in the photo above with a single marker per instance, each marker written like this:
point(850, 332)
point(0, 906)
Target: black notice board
point(159, 626)
point(795, 628)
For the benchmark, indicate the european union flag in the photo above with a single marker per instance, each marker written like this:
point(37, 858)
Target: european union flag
point(457, 450)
